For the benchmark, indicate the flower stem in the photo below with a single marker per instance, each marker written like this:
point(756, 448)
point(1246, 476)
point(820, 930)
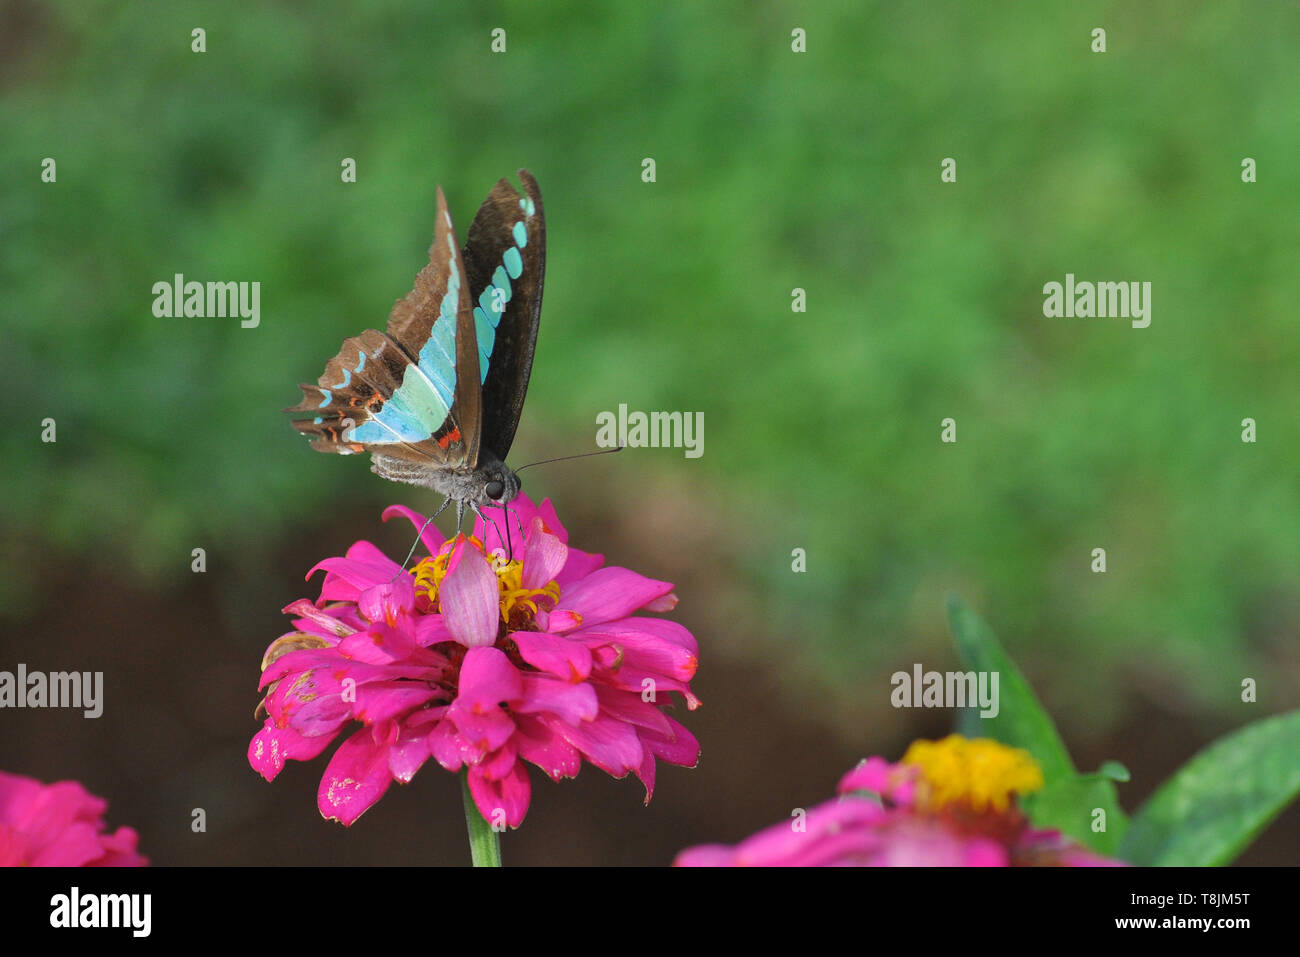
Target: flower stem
point(484, 846)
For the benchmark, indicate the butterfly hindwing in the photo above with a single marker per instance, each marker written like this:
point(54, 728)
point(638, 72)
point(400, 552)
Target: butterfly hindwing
point(505, 263)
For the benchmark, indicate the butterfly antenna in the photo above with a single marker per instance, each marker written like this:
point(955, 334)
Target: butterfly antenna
point(565, 458)
point(419, 536)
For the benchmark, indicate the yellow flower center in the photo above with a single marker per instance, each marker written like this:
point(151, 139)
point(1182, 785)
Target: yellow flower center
point(519, 605)
point(979, 773)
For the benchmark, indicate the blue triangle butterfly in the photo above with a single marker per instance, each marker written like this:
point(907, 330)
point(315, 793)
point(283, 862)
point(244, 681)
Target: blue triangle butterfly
point(435, 398)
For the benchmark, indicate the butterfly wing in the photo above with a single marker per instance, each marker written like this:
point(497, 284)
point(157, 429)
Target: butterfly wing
point(505, 263)
point(411, 393)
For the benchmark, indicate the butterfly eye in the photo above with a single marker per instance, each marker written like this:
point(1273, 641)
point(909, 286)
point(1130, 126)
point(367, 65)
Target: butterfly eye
point(494, 490)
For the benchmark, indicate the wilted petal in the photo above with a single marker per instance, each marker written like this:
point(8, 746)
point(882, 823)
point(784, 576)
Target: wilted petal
point(272, 746)
point(357, 777)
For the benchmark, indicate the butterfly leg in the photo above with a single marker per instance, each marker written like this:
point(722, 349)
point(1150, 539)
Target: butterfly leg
point(419, 536)
point(484, 519)
point(519, 523)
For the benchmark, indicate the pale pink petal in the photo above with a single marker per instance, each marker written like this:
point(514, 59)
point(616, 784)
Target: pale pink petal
point(667, 603)
point(470, 601)
point(544, 557)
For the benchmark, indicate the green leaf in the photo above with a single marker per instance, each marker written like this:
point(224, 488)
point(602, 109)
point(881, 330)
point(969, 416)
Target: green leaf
point(1068, 800)
point(1114, 771)
point(1070, 805)
point(1021, 721)
point(1219, 800)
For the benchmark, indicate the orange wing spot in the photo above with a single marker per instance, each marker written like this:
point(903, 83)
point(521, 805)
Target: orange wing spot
point(452, 436)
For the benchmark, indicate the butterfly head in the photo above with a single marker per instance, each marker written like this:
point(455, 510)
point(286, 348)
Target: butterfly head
point(495, 484)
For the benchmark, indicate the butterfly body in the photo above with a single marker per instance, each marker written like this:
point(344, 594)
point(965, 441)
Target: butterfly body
point(458, 485)
point(436, 397)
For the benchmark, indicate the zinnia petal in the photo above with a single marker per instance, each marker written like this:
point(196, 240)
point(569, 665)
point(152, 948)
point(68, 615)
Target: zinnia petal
point(487, 655)
point(357, 777)
point(470, 601)
point(610, 593)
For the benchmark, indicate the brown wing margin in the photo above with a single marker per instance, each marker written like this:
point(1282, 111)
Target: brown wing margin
point(369, 368)
point(410, 324)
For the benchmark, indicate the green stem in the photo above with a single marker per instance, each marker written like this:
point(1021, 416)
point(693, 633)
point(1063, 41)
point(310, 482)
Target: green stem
point(484, 846)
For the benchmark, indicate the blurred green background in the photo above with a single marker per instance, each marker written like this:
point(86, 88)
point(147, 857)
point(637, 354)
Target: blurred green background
point(775, 170)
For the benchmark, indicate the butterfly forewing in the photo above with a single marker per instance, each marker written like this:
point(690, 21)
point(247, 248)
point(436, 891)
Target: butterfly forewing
point(505, 263)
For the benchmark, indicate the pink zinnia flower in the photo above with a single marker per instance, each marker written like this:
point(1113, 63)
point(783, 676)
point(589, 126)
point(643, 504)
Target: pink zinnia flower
point(949, 803)
point(481, 660)
point(59, 825)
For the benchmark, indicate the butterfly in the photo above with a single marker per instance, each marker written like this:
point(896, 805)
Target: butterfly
point(436, 397)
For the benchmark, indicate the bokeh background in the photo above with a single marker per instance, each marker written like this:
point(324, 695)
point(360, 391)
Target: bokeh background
point(775, 170)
